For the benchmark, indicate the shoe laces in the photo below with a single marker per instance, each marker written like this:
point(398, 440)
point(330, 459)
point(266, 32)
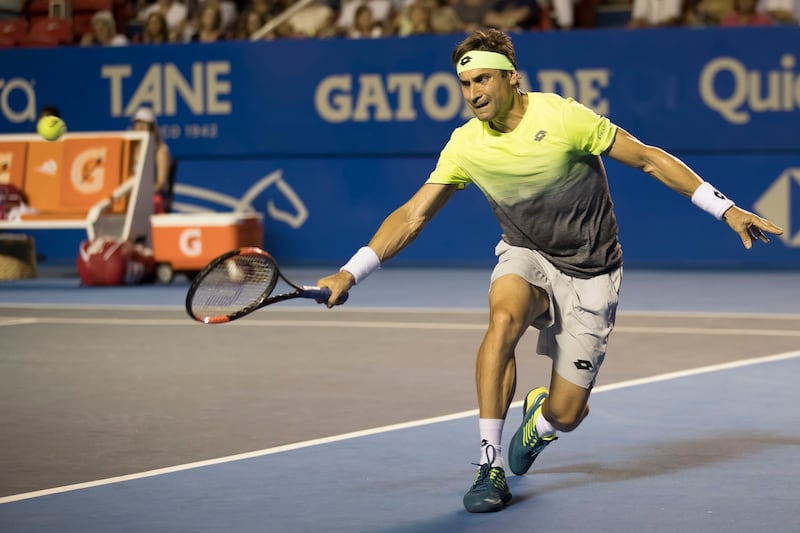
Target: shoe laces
point(485, 469)
point(490, 459)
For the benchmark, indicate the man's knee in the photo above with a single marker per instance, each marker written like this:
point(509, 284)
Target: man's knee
point(565, 418)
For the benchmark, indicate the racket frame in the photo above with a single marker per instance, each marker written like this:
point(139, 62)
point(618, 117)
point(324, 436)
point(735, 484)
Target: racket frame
point(320, 294)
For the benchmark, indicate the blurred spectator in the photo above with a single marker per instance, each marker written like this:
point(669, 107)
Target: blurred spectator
point(444, 20)
point(415, 18)
point(12, 9)
point(515, 15)
point(104, 31)
point(267, 8)
point(364, 25)
point(656, 13)
point(229, 13)
point(383, 13)
point(174, 12)
point(707, 12)
point(155, 29)
point(563, 11)
point(209, 24)
point(586, 13)
point(568, 14)
point(315, 20)
point(145, 120)
point(744, 14)
point(472, 13)
point(250, 21)
point(781, 11)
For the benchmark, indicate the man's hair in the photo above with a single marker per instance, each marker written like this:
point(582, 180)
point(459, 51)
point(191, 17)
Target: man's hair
point(488, 40)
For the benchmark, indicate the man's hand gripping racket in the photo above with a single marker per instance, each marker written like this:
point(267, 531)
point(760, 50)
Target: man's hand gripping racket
point(239, 282)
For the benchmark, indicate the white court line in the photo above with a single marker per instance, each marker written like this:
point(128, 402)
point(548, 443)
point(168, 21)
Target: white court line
point(384, 429)
point(17, 321)
point(374, 324)
point(410, 310)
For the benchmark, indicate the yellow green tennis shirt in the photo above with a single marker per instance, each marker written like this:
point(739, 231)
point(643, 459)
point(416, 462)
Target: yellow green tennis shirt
point(544, 180)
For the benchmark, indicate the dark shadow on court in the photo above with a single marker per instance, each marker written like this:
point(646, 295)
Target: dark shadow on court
point(654, 461)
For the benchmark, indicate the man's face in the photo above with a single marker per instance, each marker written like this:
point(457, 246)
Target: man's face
point(488, 92)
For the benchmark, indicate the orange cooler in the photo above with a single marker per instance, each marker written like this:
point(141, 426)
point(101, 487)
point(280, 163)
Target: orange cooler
point(189, 241)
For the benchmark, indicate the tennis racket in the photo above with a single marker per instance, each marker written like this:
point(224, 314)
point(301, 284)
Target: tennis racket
point(239, 282)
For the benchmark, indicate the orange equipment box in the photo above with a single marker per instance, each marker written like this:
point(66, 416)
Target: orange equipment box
point(187, 242)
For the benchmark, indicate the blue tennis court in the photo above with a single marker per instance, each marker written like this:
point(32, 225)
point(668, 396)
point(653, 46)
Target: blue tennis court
point(120, 414)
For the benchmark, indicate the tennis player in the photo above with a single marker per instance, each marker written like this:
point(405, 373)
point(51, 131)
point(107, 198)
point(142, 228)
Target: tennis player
point(537, 158)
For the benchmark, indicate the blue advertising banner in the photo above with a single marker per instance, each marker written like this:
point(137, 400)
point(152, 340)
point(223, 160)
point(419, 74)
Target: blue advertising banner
point(719, 89)
point(326, 137)
point(320, 211)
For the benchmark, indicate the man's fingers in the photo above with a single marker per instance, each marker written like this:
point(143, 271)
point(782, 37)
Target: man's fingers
point(762, 224)
point(755, 233)
point(754, 228)
point(332, 300)
point(746, 239)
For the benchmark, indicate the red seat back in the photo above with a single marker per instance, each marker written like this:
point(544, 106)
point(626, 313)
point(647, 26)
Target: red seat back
point(49, 32)
point(13, 30)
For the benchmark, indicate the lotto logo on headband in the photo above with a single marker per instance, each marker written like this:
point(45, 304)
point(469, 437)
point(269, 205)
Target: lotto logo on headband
point(483, 59)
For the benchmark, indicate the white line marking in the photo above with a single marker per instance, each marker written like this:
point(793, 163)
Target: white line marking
point(708, 331)
point(17, 321)
point(302, 308)
point(384, 429)
point(374, 324)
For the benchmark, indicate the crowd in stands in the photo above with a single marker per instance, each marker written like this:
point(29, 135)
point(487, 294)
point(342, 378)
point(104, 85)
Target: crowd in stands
point(126, 22)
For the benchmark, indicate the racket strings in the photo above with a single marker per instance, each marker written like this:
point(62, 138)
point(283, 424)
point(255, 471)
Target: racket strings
point(234, 285)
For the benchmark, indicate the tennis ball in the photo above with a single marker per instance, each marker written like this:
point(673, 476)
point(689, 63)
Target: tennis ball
point(51, 128)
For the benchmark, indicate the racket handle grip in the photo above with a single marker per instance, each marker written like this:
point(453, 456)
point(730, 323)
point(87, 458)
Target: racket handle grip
point(321, 294)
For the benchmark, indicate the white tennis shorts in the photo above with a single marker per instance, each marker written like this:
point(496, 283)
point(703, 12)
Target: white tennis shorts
point(574, 332)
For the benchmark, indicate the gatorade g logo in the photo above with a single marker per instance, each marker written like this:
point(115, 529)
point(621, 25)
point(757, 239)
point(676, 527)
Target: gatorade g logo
point(464, 60)
point(87, 172)
point(190, 243)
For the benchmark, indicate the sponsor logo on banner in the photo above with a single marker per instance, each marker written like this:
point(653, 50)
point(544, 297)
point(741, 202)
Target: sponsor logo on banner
point(17, 100)
point(363, 98)
point(294, 218)
point(404, 96)
point(205, 89)
point(49, 167)
point(190, 242)
point(731, 89)
point(87, 172)
point(778, 202)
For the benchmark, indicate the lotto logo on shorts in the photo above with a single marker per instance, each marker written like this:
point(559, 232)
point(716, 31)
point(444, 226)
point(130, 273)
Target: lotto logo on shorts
point(583, 364)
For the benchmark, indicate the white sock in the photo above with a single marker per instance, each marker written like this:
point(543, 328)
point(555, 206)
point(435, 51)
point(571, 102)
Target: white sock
point(491, 430)
point(543, 427)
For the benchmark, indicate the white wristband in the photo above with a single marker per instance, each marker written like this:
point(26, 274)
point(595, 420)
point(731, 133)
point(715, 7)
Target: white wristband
point(710, 200)
point(363, 263)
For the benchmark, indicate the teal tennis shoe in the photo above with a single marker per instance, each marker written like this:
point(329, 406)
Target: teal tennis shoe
point(490, 491)
point(527, 444)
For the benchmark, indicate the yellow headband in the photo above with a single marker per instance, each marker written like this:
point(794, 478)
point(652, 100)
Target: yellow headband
point(483, 59)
